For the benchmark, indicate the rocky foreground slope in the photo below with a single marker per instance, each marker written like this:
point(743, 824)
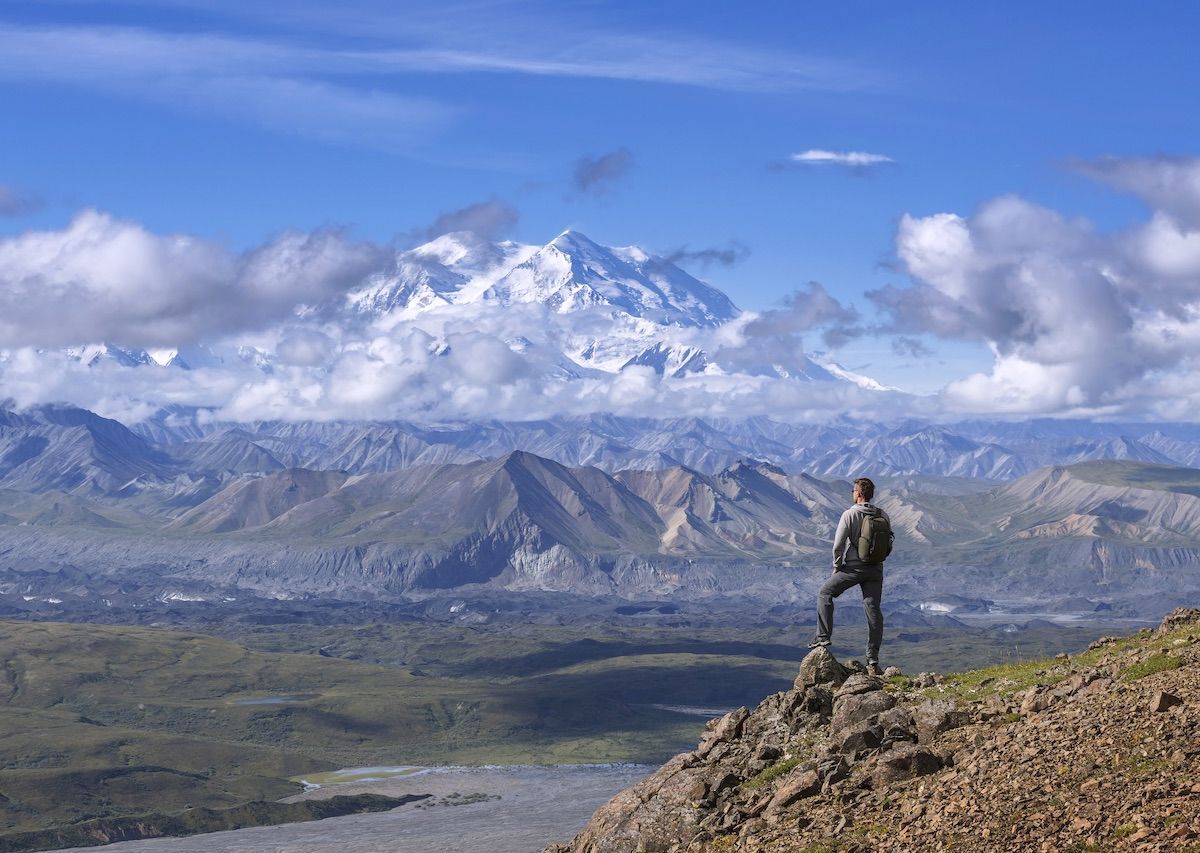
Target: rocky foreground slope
point(1099, 751)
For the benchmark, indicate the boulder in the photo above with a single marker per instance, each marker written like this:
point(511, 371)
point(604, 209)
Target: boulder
point(925, 680)
point(849, 710)
point(821, 667)
point(815, 701)
point(1163, 701)
point(858, 683)
point(721, 731)
point(897, 725)
point(653, 815)
point(859, 738)
point(1036, 700)
point(905, 761)
point(936, 716)
point(800, 783)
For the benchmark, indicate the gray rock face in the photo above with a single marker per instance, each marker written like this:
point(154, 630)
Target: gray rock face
point(849, 710)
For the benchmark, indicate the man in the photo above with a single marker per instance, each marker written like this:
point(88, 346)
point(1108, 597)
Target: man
point(850, 570)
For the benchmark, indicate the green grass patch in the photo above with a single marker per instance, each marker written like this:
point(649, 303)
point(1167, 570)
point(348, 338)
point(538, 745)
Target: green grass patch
point(1124, 830)
point(1151, 665)
point(770, 774)
point(1004, 680)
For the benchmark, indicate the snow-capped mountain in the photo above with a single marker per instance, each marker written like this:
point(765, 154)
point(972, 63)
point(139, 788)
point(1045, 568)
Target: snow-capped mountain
point(573, 273)
point(570, 315)
point(630, 304)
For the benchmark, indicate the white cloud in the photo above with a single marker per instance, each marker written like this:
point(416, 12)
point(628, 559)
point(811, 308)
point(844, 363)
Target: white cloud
point(105, 279)
point(1170, 185)
point(849, 159)
point(1077, 320)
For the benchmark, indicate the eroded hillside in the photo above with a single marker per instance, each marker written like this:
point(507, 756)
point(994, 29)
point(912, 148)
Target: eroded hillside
point(1100, 751)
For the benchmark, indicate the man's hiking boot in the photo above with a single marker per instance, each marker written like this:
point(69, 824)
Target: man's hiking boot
point(873, 668)
point(818, 643)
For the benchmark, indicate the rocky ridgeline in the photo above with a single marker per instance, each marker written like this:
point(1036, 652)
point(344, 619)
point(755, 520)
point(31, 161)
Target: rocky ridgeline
point(1095, 752)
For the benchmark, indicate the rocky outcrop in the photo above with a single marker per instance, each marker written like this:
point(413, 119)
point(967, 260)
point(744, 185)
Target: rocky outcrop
point(754, 767)
point(1095, 752)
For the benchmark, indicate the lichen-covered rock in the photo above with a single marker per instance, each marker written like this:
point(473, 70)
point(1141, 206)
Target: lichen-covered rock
point(653, 815)
point(722, 730)
point(860, 738)
point(1070, 773)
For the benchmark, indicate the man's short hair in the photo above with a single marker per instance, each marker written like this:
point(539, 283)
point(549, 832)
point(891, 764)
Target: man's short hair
point(865, 488)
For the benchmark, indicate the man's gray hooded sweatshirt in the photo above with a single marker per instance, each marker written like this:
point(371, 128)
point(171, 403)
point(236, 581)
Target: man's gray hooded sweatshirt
point(845, 540)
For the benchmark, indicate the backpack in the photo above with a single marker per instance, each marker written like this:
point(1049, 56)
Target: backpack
point(875, 539)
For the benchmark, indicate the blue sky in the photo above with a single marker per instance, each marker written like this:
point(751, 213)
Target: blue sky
point(233, 121)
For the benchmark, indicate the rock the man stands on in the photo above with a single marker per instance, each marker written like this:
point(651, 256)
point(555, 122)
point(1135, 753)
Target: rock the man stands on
point(857, 562)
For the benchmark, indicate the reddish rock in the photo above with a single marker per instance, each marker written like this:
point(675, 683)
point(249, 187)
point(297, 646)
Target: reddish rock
point(800, 783)
point(1163, 701)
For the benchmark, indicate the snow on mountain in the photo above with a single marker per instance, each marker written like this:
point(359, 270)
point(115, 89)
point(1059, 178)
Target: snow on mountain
point(839, 372)
point(639, 299)
point(668, 360)
point(93, 354)
point(573, 273)
point(453, 269)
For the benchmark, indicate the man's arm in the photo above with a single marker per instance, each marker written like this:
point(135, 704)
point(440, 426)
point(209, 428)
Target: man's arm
point(839, 541)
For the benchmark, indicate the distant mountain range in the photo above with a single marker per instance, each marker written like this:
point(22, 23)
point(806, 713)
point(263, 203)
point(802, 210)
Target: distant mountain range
point(203, 512)
point(185, 453)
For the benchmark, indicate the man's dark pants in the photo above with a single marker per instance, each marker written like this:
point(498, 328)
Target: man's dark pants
point(870, 578)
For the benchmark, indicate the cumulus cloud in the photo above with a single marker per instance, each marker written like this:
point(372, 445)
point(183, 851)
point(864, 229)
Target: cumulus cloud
point(105, 279)
point(1077, 320)
point(1170, 185)
point(774, 340)
point(854, 160)
point(803, 309)
point(596, 175)
point(17, 202)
